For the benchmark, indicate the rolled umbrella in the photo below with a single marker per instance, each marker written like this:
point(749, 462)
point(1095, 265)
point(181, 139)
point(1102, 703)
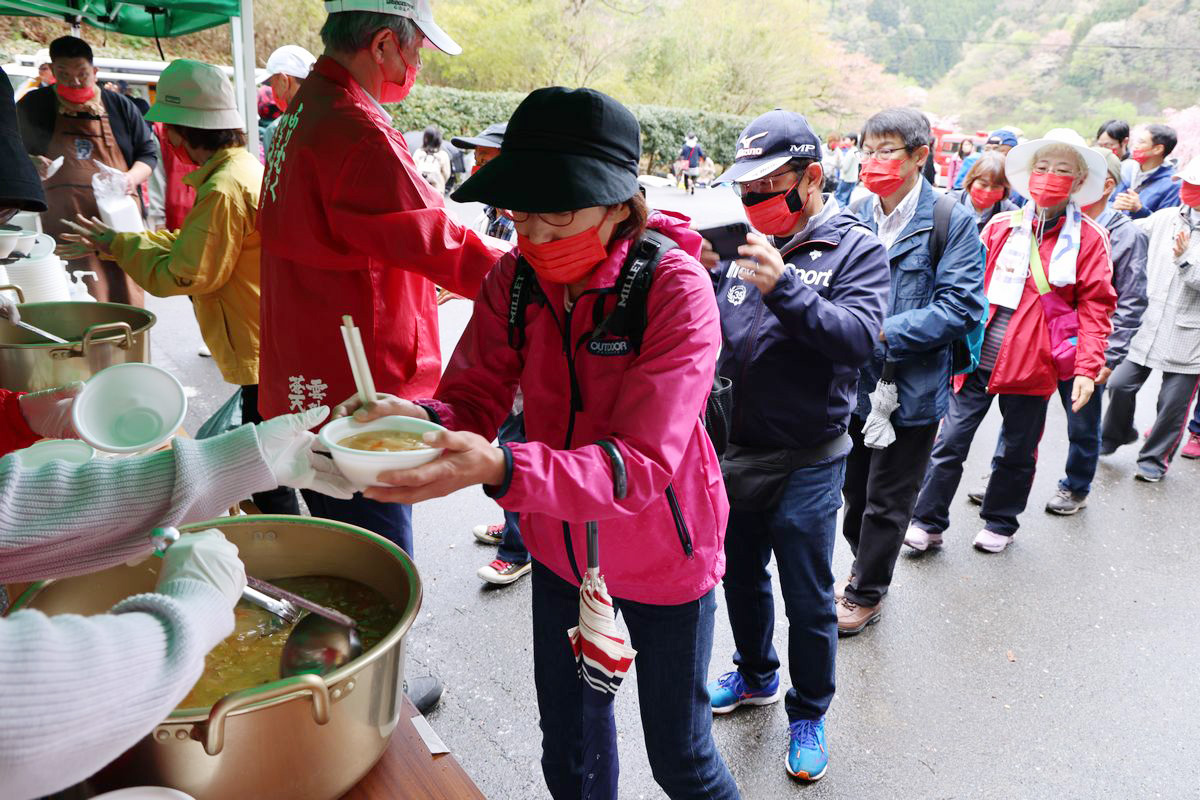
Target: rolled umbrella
point(877, 431)
point(604, 658)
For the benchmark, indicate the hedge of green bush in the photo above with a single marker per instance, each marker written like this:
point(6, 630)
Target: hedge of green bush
point(458, 112)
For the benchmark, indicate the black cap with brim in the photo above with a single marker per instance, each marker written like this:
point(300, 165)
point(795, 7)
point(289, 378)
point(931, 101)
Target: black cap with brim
point(491, 136)
point(563, 150)
point(572, 182)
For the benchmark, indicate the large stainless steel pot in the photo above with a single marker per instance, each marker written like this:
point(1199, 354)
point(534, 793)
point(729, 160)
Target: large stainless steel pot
point(100, 335)
point(302, 738)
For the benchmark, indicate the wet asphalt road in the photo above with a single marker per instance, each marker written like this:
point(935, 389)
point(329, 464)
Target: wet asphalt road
point(1062, 668)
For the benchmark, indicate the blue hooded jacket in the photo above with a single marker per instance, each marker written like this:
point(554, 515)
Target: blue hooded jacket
point(793, 355)
point(931, 306)
point(1157, 191)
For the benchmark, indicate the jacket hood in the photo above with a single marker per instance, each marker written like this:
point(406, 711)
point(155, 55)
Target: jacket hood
point(678, 227)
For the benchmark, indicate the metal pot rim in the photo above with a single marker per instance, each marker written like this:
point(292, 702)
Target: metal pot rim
point(150, 322)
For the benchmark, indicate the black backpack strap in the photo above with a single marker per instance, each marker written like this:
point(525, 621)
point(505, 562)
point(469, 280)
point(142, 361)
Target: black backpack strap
point(943, 207)
point(523, 285)
point(629, 317)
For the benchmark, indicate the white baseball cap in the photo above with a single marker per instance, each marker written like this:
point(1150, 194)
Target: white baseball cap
point(197, 95)
point(291, 59)
point(416, 10)
point(1190, 173)
point(1018, 164)
point(41, 57)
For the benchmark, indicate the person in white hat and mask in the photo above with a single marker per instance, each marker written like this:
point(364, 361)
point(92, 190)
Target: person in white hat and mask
point(45, 74)
point(214, 256)
point(349, 226)
point(286, 70)
point(1049, 285)
point(1169, 338)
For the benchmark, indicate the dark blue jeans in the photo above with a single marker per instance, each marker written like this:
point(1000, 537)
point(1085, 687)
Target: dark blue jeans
point(801, 531)
point(512, 546)
point(1013, 465)
point(392, 521)
point(1083, 432)
point(674, 644)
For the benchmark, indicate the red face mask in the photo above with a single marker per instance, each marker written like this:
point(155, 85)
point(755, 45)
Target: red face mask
point(566, 260)
point(1049, 190)
point(1189, 194)
point(985, 198)
point(78, 96)
point(1140, 156)
point(392, 92)
point(475, 168)
point(882, 177)
point(775, 215)
point(280, 103)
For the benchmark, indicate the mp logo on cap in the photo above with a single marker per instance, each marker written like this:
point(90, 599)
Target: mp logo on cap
point(803, 148)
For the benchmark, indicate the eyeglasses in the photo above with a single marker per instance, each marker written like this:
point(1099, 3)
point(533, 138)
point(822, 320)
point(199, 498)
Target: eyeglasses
point(555, 219)
point(1061, 169)
point(883, 153)
point(768, 185)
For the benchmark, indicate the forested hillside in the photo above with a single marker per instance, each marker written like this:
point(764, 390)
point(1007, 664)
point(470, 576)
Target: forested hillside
point(1031, 63)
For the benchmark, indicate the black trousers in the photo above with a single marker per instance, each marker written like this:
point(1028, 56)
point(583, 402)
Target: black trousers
point(281, 500)
point(880, 490)
point(1013, 465)
point(1174, 400)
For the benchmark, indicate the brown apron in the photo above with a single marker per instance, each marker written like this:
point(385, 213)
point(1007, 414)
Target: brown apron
point(79, 139)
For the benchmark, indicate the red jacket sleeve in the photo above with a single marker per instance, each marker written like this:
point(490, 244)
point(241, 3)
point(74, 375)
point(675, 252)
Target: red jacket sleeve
point(423, 237)
point(1095, 301)
point(15, 432)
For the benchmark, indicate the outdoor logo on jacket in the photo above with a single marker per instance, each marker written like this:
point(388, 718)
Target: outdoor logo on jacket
point(608, 347)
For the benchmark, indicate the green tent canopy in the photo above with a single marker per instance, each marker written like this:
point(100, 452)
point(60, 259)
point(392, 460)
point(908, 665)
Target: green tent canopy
point(134, 17)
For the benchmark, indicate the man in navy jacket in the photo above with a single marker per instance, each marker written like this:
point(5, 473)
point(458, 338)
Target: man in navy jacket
point(800, 313)
point(936, 299)
point(1152, 186)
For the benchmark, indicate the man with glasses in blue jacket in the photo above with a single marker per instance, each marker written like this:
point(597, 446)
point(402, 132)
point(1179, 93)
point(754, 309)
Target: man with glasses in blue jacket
point(800, 312)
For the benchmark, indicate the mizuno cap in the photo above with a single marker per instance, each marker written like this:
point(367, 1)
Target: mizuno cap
point(768, 143)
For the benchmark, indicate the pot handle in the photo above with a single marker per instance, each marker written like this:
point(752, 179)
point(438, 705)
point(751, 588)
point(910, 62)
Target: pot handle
point(17, 289)
point(94, 331)
point(312, 685)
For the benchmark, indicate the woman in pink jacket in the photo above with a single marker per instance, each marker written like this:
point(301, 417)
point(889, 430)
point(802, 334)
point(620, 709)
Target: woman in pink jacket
point(661, 545)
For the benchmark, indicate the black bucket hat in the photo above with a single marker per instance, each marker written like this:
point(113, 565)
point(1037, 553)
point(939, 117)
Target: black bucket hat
point(564, 149)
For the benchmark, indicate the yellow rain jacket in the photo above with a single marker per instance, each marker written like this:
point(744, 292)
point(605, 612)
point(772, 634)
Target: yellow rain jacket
point(214, 258)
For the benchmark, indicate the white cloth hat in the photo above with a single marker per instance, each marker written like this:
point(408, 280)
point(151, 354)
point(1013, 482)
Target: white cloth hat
point(1190, 173)
point(291, 59)
point(197, 95)
point(41, 57)
point(416, 10)
point(1018, 164)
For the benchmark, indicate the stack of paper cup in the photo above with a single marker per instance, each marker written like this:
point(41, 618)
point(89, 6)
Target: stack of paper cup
point(43, 280)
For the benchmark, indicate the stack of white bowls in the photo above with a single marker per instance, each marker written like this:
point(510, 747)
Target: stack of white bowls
point(43, 280)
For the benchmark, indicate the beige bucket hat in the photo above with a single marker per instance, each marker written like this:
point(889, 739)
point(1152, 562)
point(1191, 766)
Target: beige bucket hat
point(196, 95)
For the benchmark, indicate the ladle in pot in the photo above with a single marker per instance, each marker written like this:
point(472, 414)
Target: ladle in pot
point(320, 642)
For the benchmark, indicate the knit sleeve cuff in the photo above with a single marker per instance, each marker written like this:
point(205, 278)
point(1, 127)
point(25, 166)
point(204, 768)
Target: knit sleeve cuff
point(186, 606)
point(223, 470)
point(496, 492)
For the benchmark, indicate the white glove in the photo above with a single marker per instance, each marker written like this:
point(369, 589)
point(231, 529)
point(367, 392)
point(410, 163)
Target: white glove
point(8, 308)
point(877, 431)
point(286, 445)
point(48, 412)
point(207, 557)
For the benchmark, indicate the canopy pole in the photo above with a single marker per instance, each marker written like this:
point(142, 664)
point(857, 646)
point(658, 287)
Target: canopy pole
point(241, 36)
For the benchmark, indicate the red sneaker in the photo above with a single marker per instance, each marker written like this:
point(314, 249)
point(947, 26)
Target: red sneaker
point(1192, 448)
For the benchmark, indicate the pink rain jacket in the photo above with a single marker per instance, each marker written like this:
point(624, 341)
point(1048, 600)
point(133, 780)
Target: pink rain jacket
point(649, 404)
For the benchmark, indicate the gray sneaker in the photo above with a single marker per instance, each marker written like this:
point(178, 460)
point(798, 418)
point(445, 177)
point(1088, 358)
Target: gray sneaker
point(1065, 502)
point(976, 495)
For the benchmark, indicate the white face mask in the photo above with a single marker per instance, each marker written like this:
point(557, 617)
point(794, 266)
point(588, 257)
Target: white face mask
point(691, 142)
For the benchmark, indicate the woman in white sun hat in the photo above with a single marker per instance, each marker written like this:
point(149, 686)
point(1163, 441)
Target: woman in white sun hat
point(1049, 284)
point(214, 256)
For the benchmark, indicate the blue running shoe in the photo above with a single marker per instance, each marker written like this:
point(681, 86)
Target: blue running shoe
point(807, 758)
point(730, 691)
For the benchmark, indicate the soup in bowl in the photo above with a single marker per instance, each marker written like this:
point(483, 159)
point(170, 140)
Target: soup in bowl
point(362, 450)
